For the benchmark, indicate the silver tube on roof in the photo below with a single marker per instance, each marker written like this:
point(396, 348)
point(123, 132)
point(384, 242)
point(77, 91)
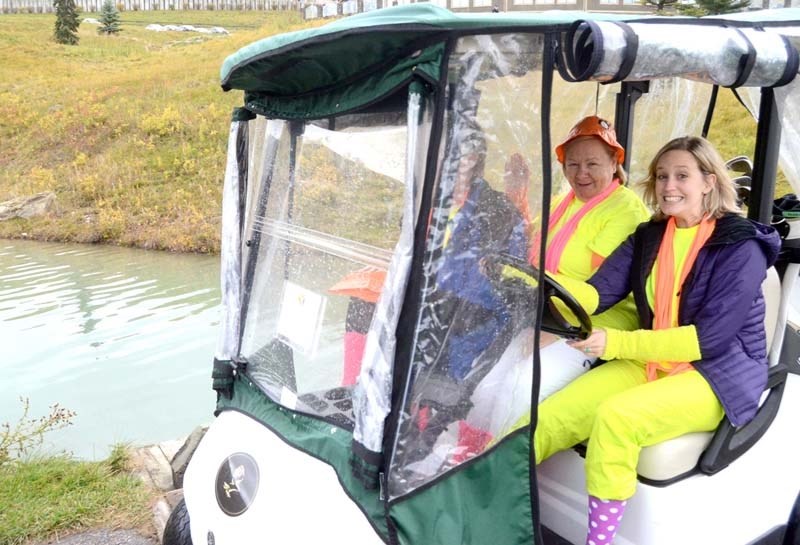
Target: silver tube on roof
point(727, 56)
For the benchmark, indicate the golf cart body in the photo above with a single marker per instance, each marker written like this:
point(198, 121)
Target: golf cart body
point(370, 369)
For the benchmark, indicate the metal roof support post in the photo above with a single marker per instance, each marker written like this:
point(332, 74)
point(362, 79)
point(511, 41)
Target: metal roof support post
point(765, 158)
point(629, 93)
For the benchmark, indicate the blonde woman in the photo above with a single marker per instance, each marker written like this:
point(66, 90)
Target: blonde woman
point(695, 271)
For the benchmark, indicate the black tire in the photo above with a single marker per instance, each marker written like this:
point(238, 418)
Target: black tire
point(176, 532)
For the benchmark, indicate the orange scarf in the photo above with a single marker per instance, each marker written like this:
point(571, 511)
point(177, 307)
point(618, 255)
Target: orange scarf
point(665, 284)
point(558, 242)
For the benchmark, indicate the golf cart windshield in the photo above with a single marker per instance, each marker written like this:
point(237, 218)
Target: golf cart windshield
point(322, 232)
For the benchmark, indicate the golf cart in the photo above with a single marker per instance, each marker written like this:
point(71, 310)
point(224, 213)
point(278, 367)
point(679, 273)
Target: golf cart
point(342, 416)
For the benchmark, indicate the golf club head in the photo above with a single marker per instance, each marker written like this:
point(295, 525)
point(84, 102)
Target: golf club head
point(741, 164)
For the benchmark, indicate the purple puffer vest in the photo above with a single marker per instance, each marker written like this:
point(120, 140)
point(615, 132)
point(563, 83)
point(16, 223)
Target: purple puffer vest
point(721, 297)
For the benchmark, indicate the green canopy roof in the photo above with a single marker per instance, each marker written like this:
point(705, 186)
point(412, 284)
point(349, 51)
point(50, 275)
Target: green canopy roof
point(364, 58)
point(354, 44)
point(360, 59)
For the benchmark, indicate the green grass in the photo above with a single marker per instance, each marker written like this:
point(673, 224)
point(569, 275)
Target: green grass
point(733, 133)
point(129, 131)
point(45, 497)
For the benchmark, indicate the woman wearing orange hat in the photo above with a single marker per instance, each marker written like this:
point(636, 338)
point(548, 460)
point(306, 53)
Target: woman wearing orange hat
point(590, 220)
point(586, 224)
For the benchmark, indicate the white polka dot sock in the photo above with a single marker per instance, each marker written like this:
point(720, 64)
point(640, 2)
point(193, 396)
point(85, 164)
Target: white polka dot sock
point(604, 519)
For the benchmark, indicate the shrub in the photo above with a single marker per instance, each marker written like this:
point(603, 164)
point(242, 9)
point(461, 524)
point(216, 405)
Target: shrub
point(27, 434)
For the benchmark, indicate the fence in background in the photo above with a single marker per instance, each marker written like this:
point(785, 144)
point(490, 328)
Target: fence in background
point(348, 7)
point(89, 6)
point(314, 10)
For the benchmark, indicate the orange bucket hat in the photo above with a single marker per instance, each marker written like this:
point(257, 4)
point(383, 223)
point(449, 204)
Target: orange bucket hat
point(597, 127)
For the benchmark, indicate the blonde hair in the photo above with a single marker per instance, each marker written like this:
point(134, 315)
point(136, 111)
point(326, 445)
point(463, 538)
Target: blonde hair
point(621, 174)
point(721, 200)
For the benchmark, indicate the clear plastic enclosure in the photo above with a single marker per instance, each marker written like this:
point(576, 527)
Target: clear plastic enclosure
point(324, 219)
point(469, 329)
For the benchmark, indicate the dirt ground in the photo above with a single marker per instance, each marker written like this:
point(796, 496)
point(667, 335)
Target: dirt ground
point(102, 537)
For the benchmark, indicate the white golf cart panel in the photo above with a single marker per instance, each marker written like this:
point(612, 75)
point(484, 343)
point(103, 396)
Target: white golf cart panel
point(735, 505)
point(725, 508)
point(675, 457)
point(293, 488)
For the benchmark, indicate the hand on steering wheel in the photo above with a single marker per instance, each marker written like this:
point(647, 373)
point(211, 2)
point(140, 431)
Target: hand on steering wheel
point(594, 346)
point(510, 273)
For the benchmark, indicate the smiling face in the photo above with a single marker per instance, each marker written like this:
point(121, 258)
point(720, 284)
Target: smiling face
point(589, 166)
point(680, 186)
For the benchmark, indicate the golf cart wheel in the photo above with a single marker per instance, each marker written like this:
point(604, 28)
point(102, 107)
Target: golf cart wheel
point(176, 532)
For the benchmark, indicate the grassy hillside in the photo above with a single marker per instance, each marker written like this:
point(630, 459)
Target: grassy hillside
point(130, 131)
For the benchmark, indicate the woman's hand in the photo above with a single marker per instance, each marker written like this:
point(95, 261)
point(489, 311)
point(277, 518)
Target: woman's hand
point(594, 346)
point(517, 172)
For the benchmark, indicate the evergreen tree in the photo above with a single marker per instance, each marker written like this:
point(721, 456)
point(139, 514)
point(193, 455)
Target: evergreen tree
point(660, 4)
point(109, 19)
point(66, 30)
point(715, 7)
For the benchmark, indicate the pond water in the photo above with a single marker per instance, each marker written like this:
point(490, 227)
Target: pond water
point(123, 337)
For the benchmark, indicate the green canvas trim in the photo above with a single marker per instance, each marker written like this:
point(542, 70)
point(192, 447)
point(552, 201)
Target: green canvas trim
point(360, 47)
point(316, 437)
point(307, 65)
point(351, 94)
point(242, 114)
point(487, 501)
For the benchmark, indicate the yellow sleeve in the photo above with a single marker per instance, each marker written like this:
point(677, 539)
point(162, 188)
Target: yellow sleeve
point(621, 213)
point(584, 293)
point(508, 273)
point(671, 344)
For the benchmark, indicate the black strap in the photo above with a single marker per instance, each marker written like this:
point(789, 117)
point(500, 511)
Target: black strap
point(792, 63)
point(631, 50)
point(582, 59)
point(242, 114)
point(746, 61)
point(582, 66)
point(577, 60)
point(366, 465)
point(739, 98)
point(560, 60)
point(222, 377)
point(712, 103)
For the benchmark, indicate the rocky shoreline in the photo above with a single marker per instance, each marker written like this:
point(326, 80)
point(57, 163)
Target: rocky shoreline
point(161, 467)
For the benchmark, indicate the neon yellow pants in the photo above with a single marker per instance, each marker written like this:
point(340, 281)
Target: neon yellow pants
point(619, 412)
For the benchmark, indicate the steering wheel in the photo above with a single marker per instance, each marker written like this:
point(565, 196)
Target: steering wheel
point(524, 281)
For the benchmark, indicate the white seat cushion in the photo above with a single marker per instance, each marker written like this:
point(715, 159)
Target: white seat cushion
point(772, 300)
point(669, 459)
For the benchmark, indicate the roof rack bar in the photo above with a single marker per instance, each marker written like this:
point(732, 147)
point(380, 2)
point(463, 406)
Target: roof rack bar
point(765, 158)
point(629, 93)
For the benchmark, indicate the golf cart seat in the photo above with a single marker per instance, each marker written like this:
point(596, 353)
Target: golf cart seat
point(674, 459)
